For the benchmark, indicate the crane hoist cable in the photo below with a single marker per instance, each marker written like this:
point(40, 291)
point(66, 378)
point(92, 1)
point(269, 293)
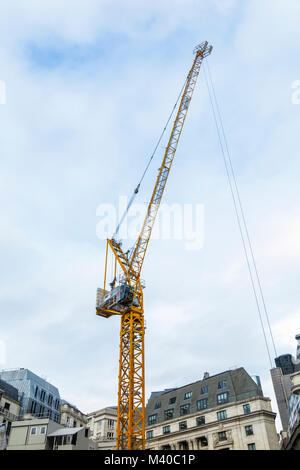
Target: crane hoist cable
point(135, 192)
point(240, 214)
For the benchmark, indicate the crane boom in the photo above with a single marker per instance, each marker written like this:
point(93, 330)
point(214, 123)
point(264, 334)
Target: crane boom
point(202, 51)
point(126, 299)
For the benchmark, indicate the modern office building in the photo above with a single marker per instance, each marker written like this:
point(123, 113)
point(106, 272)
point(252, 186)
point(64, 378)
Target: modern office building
point(226, 411)
point(286, 365)
point(103, 426)
point(37, 396)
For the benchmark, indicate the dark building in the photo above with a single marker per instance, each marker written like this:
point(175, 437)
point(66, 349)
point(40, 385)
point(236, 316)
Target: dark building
point(287, 364)
point(8, 390)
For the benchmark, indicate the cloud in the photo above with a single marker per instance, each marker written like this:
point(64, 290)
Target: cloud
point(89, 87)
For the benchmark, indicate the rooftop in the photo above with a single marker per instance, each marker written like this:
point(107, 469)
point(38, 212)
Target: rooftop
point(236, 384)
point(9, 390)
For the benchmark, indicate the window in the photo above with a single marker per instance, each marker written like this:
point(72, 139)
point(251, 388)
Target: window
point(222, 398)
point(251, 447)
point(184, 409)
point(6, 406)
point(221, 415)
point(247, 409)
point(99, 424)
point(149, 434)
point(200, 421)
point(43, 430)
point(222, 384)
point(86, 432)
point(222, 436)
point(157, 405)
point(182, 425)
point(50, 400)
point(33, 431)
point(172, 400)
point(166, 429)
point(203, 441)
point(249, 430)
point(33, 407)
point(110, 423)
point(36, 391)
point(42, 396)
point(152, 419)
point(110, 435)
point(202, 404)
point(204, 390)
point(169, 414)
point(188, 395)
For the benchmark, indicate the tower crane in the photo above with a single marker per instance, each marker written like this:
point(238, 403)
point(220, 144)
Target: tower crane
point(126, 298)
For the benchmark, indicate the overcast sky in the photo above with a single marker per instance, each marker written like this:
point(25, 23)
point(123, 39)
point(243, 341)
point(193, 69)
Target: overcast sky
point(89, 86)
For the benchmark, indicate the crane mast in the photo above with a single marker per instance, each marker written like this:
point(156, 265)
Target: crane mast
point(126, 299)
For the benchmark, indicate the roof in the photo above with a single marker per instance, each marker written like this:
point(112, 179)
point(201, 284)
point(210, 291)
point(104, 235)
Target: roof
point(102, 411)
point(65, 432)
point(9, 390)
point(237, 383)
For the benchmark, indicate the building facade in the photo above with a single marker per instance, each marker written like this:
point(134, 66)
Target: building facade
point(293, 435)
point(286, 366)
point(9, 405)
point(37, 396)
point(70, 416)
point(226, 411)
point(103, 426)
point(9, 411)
point(45, 434)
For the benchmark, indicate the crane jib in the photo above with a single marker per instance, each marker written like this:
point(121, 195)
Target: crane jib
point(202, 51)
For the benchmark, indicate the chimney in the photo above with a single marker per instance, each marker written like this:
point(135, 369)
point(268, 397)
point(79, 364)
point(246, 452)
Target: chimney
point(206, 375)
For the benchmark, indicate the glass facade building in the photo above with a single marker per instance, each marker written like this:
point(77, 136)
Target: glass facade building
point(37, 396)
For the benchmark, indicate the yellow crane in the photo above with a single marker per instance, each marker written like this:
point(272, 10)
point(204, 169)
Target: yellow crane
point(126, 299)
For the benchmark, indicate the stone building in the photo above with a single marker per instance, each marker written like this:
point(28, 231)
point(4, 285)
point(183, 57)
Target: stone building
point(103, 426)
point(226, 411)
point(70, 416)
point(292, 441)
point(9, 405)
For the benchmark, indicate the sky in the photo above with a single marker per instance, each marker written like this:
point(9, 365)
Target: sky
point(88, 89)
